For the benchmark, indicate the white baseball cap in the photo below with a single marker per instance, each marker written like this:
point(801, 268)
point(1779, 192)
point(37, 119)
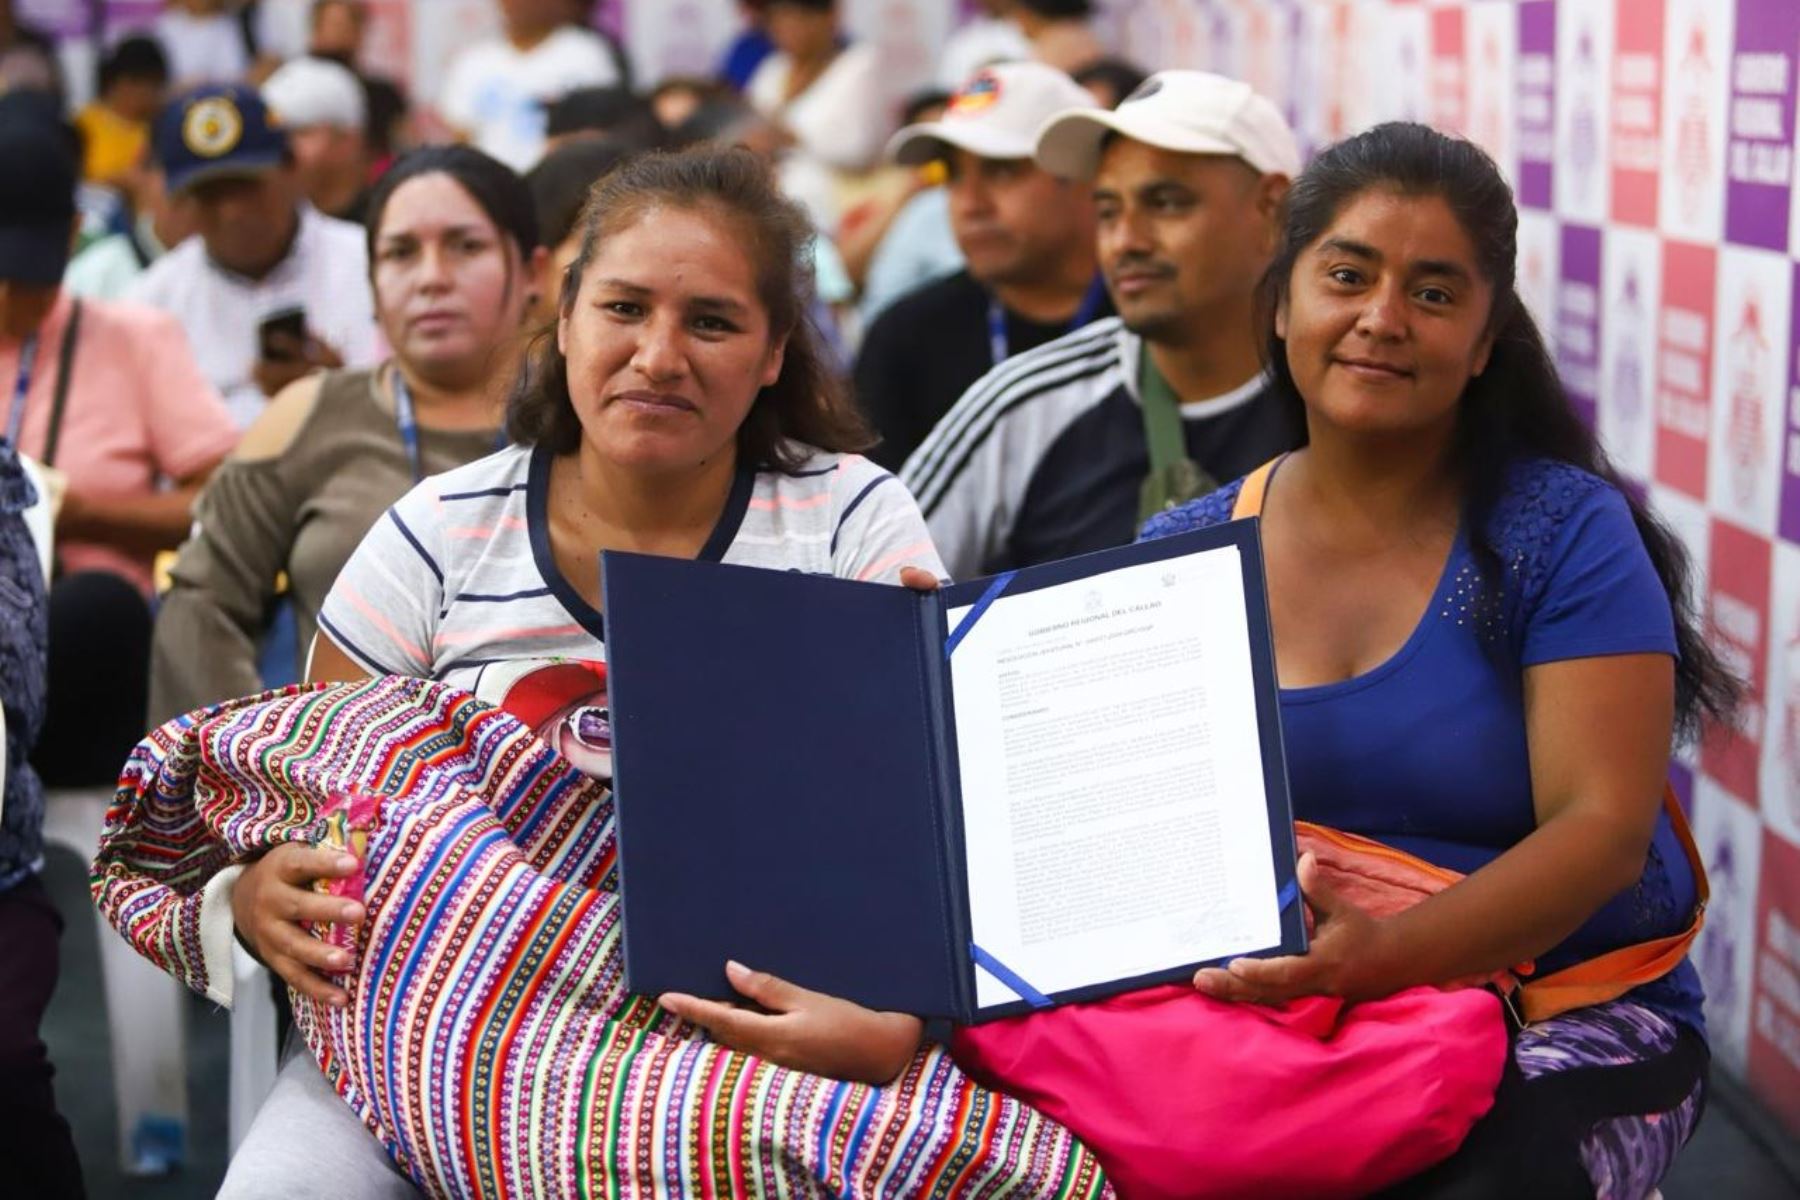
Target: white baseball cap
point(1190, 112)
point(316, 91)
point(996, 114)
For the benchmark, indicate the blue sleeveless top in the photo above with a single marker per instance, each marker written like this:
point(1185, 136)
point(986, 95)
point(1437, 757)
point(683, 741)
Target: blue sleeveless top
point(1427, 751)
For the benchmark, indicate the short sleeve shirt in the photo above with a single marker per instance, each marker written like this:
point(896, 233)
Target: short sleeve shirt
point(138, 411)
point(498, 93)
point(1428, 751)
point(458, 582)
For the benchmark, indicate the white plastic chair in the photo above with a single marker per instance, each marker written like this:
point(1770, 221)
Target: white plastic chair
point(143, 1005)
point(255, 1050)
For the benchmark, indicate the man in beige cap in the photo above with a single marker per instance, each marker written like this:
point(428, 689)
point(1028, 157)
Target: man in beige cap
point(1027, 238)
point(1068, 448)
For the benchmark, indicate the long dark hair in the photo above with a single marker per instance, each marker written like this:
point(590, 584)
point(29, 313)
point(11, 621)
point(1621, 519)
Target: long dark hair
point(806, 404)
point(1516, 407)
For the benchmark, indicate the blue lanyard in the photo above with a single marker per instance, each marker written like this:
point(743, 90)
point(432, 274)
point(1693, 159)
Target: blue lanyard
point(409, 427)
point(15, 418)
point(999, 347)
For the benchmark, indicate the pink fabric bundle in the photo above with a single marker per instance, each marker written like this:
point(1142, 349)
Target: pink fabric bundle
point(1181, 1095)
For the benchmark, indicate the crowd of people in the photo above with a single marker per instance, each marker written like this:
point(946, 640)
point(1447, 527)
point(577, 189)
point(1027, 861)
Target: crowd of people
point(309, 393)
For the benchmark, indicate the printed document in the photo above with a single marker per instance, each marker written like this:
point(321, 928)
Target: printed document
point(1112, 777)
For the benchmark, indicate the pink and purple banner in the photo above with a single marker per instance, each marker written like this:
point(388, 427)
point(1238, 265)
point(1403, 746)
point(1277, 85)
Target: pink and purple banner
point(1578, 318)
point(1536, 92)
point(1759, 157)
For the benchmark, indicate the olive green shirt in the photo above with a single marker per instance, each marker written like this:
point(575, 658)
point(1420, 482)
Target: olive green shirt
point(338, 463)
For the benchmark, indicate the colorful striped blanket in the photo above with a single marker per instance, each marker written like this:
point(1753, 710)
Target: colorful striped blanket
point(488, 1041)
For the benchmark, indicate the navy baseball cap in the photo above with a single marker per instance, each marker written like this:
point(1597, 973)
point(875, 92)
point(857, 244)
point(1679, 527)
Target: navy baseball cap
point(37, 190)
point(216, 131)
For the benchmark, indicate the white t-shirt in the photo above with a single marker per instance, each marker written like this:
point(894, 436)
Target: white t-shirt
point(497, 93)
point(839, 124)
point(326, 273)
point(458, 583)
point(203, 49)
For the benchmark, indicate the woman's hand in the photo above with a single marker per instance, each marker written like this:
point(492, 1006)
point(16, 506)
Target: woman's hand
point(273, 895)
point(805, 1030)
point(1350, 955)
point(918, 579)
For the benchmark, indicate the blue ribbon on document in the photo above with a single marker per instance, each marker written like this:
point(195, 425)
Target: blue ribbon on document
point(963, 626)
point(1009, 977)
point(1289, 894)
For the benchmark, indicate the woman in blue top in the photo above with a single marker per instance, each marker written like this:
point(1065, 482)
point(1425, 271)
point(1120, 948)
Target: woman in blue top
point(1484, 647)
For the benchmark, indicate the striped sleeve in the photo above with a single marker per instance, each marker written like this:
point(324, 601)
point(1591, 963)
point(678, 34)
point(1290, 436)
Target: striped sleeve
point(383, 610)
point(971, 475)
point(877, 528)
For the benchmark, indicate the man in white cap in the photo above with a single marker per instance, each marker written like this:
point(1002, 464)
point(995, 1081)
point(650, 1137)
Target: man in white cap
point(1027, 238)
point(1068, 448)
point(324, 108)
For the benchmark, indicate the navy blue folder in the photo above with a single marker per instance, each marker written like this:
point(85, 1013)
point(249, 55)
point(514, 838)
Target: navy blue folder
point(786, 783)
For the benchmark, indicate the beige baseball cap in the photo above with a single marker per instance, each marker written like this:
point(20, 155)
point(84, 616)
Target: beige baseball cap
point(996, 114)
point(1190, 112)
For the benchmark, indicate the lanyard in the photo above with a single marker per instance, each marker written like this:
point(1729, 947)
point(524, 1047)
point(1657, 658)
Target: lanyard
point(999, 347)
point(15, 417)
point(408, 425)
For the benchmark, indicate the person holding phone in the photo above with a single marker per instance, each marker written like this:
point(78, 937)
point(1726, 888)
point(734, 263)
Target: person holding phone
point(454, 243)
point(261, 252)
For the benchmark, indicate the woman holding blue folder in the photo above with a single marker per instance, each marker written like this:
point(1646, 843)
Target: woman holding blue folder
point(1484, 645)
point(680, 406)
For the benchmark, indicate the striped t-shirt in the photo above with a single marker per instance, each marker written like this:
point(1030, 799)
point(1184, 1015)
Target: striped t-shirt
point(457, 582)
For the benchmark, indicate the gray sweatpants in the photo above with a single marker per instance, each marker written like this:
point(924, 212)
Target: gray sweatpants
point(306, 1144)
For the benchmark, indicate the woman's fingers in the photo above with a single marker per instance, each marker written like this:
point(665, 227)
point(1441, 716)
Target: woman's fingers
point(1257, 980)
point(918, 579)
point(770, 991)
point(296, 943)
point(294, 904)
point(308, 983)
point(299, 864)
point(729, 1025)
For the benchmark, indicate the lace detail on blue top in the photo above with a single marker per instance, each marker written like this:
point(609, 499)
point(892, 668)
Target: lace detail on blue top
point(1529, 522)
point(1214, 508)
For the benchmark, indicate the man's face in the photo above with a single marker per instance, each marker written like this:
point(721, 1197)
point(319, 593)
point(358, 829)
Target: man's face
point(1181, 235)
point(1014, 220)
point(246, 221)
point(323, 154)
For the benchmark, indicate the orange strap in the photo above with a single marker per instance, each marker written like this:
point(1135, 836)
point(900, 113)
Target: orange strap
point(1603, 977)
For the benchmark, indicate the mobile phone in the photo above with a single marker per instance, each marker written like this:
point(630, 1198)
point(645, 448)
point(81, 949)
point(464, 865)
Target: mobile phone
point(281, 336)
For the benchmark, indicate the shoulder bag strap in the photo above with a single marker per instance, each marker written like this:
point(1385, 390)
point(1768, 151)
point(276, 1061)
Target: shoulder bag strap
point(65, 366)
point(1251, 491)
point(1605, 976)
point(1174, 477)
